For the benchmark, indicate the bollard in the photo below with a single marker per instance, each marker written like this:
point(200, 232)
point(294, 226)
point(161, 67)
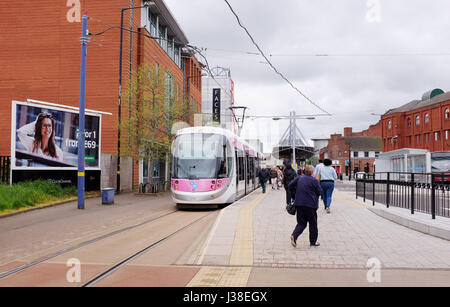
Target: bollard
point(433, 197)
point(387, 191)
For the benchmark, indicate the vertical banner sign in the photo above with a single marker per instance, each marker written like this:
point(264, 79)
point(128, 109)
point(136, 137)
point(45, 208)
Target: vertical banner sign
point(216, 105)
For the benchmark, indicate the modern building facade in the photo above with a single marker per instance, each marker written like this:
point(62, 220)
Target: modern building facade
point(42, 61)
point(420, 124)
point(217, 98)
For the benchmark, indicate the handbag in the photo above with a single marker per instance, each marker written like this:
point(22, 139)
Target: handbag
point(290, 208)
point(318, 175)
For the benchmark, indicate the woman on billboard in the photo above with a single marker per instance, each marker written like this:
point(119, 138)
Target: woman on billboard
point(43, 142)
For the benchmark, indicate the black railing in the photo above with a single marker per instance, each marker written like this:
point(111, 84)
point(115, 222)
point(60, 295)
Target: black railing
point(417, 192)
point(5, 169)
point(156, 186)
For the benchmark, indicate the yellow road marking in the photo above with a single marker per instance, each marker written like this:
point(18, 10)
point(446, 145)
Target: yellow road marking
point(350, 202)
point(242, 252)
point(221, 277)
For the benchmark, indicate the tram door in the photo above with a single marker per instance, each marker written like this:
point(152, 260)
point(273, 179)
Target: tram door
point(240, 174)
point(247, 174)
point(254, 173)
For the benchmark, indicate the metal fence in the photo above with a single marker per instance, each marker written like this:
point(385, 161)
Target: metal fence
point(417, 192)
point(5, 169)
point(155, 186)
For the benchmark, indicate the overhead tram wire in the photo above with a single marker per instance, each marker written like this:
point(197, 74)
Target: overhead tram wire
point(196, 49)
point(268, 61)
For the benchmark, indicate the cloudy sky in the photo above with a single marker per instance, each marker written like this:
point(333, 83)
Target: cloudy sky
point(381, 54)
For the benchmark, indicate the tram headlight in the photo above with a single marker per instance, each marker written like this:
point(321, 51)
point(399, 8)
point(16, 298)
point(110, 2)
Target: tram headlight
point(213, 187)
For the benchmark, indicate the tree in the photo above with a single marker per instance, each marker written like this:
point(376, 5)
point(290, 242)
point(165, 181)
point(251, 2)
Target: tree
point(156, 106)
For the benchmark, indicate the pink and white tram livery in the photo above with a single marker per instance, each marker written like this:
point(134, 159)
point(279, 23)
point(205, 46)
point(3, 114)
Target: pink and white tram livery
point(212, 166)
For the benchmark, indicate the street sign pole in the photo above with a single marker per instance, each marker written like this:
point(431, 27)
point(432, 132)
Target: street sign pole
point(81, 176)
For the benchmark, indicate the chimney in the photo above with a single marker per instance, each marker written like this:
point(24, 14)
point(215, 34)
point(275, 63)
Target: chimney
point(348, 131)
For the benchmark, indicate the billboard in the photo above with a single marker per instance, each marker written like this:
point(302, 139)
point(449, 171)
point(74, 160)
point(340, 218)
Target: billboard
point(46, 137)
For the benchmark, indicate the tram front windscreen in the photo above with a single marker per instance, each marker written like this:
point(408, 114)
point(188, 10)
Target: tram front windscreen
point(200, 156)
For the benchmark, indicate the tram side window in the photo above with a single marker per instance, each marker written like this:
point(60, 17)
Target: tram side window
point(250, 169)
point(225, 161)
point(241, 174)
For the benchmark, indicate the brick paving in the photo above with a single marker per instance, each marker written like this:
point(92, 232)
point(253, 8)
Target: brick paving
point(349, 236)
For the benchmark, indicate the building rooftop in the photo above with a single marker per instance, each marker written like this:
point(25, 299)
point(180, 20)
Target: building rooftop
point(417, 104)
point(364, 143)
point(169, 21)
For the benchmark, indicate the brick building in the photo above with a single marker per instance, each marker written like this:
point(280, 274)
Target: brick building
point(421, 124)
point(356, 150)
point(40, 59)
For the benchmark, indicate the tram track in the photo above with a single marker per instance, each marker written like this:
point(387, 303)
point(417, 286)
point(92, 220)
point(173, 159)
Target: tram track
point(134, 256)
point(80, 245)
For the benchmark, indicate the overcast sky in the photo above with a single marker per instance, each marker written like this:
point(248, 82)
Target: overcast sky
point(381, 56)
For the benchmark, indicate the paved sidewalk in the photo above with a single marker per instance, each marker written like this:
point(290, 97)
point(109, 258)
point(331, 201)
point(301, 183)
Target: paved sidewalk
point(349, 237)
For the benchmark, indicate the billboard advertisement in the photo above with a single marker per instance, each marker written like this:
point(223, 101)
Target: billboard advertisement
point(46, 137)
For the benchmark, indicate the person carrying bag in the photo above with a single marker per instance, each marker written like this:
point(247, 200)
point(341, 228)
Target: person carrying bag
point(307, 192)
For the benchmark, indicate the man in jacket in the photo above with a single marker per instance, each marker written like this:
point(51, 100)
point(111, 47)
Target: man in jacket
point(264, 176)
point(288, 176)
point(306, 202)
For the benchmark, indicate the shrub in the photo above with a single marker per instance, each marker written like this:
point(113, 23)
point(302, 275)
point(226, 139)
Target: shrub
point(31, 193)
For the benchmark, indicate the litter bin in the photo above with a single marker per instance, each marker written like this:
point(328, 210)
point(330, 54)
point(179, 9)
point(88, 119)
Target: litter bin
point(107, 196)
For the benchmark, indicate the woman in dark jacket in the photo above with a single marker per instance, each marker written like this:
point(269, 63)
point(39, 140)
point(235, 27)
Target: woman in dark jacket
point(307, 192)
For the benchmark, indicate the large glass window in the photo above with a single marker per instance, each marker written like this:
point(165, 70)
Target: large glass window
point(169, 99)
point(152, 22)
point(201, 156)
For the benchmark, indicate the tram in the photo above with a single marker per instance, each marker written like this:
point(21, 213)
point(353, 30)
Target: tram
point(212, 167)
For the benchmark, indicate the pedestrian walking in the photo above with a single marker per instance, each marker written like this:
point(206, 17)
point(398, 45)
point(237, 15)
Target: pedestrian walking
point(288, 176)
point(327, 177)
point(318, 168)
point(279, 178)
point(264, 176)
point(273, 177)
point(307, 192)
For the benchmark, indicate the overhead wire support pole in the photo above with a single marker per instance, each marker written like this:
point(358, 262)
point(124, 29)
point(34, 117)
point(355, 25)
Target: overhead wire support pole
point(293, 127)
point(81, 174)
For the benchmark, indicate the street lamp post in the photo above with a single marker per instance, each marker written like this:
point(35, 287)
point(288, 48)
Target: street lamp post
point(81, 149)
point(293, 139)
point(349, 163)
